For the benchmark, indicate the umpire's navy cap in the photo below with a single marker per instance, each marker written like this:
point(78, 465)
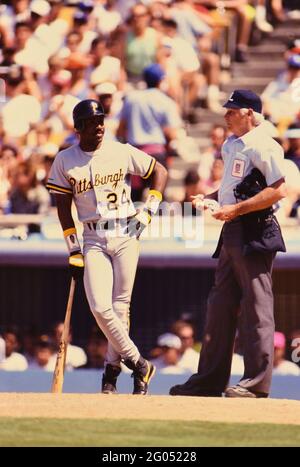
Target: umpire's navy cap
point(244, 99)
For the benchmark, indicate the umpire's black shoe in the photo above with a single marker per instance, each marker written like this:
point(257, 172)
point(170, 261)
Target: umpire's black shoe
point(188, 389)
point(143, 372)
point(239, 391)
point(109, 379)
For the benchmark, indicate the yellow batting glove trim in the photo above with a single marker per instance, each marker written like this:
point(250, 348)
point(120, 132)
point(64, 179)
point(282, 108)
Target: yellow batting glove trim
point(156, 193)
point(70, 231)
point(153, 201)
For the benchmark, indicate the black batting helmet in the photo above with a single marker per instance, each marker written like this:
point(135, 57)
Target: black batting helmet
point(86, 109)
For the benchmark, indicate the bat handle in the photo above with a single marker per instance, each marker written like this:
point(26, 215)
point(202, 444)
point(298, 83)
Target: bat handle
point(66, 329)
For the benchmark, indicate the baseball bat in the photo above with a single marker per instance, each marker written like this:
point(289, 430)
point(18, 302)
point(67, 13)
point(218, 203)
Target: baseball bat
point(58, 375)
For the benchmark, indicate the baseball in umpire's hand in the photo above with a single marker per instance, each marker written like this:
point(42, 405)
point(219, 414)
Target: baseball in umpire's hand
point(198, 202)
point(201, 203)
point(76, 265)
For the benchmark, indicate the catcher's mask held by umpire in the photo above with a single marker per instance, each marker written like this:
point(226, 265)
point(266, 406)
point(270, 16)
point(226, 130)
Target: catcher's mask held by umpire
point(86, 109)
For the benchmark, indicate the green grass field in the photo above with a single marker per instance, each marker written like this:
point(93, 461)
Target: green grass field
point(20, 432)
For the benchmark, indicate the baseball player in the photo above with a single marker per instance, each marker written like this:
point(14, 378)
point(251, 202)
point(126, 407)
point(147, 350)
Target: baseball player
point(95, 174)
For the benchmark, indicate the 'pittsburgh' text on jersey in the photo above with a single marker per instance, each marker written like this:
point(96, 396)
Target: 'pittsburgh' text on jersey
point(80, 186)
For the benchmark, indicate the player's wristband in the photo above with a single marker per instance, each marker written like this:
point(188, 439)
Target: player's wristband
point(72, 240)
point(153, 201)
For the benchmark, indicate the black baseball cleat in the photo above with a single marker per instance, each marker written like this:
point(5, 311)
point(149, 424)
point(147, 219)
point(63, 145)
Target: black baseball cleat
point(141, 379)
point(188, 390)
point(108, 388)
point(143, 372)
point(109, 379)
point(240, 391)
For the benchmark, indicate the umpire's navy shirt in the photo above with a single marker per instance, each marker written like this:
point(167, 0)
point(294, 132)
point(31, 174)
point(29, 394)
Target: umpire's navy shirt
point(241, 154)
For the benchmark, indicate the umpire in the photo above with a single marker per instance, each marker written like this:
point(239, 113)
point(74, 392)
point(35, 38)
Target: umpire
point(243, 283)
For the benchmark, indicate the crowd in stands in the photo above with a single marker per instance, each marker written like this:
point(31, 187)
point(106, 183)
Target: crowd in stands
point(33, 351)
point(176, 352)
point(150, 63)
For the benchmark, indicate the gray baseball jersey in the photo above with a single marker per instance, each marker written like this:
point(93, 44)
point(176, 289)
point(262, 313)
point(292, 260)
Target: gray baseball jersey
point(99, 180)
point(100, 186)
point(240, 155)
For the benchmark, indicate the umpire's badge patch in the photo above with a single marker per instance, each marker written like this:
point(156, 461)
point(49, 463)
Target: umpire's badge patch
point(238, 168)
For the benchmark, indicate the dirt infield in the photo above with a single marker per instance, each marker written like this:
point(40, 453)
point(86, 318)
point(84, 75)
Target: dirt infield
point(98, 406)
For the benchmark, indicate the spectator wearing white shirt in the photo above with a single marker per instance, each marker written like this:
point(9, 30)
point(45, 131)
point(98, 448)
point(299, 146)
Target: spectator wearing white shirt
point(168, 360)
point(82, 23)
point(280, 97)
point(198, 33)
point(186, 63)
point(189, 357)
point(22, 99)
point(108, 17)
point(105, 67)
point(218, 136)
point(44, 41)
point(43, 355)
point(13, 360)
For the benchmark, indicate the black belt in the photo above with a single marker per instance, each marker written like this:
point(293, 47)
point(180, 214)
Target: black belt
point(110, 224)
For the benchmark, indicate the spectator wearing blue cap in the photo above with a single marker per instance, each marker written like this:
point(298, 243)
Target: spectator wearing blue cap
point(149, 119)
point(243, 275)
point(153, 75)
point(281, 96)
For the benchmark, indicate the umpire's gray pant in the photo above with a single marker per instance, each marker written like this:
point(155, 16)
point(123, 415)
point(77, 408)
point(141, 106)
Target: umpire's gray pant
point(243, 284)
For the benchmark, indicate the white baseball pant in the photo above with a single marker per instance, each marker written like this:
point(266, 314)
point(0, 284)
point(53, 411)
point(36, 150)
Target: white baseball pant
point(110, 268)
